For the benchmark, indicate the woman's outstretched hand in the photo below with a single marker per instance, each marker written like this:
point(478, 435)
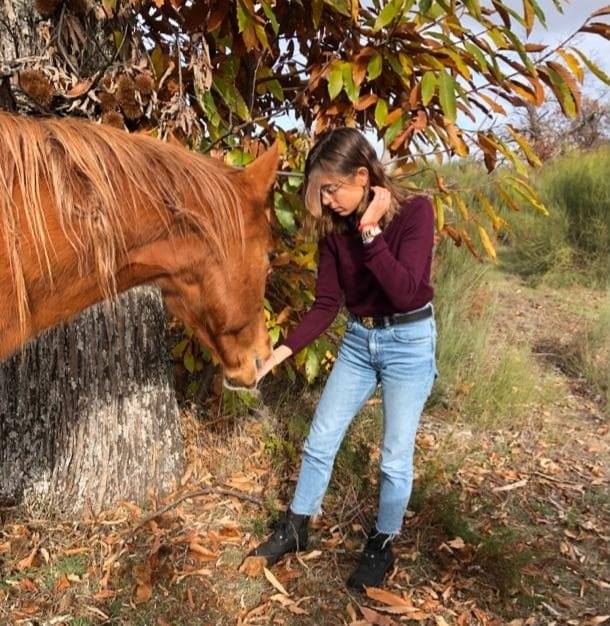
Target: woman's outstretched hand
point(280, 354)
point(378, 206)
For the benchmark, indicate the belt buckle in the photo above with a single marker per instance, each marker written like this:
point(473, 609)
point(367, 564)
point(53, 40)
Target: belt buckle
point(368, 322)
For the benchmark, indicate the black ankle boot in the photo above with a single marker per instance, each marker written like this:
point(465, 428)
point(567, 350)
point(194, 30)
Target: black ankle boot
point(289, 535)
point(376, 559)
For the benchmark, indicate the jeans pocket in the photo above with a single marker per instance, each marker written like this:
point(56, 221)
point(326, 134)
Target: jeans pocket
point(414, 333)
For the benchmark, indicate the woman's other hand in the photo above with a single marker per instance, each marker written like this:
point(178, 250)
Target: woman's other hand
point(281, 353)
point(378, 206)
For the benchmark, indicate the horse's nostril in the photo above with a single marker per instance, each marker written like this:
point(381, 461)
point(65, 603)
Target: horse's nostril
point(258, 362)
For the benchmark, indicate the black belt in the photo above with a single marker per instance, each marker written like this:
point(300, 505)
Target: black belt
point(382, 321)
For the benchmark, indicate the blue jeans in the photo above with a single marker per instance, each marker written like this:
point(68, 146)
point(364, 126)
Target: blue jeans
point(402, 359)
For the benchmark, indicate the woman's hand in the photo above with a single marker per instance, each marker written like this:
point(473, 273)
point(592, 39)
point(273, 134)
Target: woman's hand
point(378, 206)
point(280, 354)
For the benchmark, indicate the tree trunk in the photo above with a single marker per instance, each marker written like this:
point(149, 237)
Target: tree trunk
point(88, 413)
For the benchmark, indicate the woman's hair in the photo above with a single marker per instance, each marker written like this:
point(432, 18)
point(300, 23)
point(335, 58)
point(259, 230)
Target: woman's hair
point(342, 151)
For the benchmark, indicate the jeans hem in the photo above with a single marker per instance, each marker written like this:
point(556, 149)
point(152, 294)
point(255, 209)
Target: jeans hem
point(315, 512)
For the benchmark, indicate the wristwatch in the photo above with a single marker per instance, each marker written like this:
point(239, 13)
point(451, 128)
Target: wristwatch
point(369, 234)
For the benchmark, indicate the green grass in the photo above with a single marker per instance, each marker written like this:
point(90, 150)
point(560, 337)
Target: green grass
point(587, 356)
point(487, 387)
point(571, 245)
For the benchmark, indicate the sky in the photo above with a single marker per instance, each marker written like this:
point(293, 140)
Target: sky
point(560, 26)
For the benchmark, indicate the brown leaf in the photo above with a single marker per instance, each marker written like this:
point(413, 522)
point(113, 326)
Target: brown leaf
point(62, 583)
point(385, 597)
point(143, 593)
point(25, 584)
point(253, 566)
point(103, 594)
point(201, 553)
point(79, 89)
point(27, 562)
point(372, 617)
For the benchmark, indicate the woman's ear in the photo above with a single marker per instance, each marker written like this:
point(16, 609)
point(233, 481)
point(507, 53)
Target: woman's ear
point(361, 178)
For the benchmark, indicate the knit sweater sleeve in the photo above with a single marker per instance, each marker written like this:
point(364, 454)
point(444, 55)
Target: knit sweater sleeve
point(399, 276)
point(327, 302)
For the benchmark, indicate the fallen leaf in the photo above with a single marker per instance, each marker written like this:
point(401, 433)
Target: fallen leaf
point(274, 581)
point(314, 554)
point(391, 599)
point(143, 593)
point(253, 566)
point(27, 562)
point(457, 543)
point(282, 599)
point(201, 553)
point(62, 583)
point(372, 617)
point(25, 584)
point(511, 486)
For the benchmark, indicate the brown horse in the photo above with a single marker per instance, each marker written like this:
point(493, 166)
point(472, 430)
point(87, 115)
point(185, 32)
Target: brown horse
point(88, 211)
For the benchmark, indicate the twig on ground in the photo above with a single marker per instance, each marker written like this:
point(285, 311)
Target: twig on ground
point(194, 494)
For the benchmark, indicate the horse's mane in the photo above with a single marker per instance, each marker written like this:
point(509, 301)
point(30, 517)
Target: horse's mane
point(97, 176)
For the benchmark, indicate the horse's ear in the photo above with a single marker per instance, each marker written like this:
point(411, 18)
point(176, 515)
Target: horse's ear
point(259, 176)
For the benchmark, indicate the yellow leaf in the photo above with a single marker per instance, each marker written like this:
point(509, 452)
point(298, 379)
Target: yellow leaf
point(487, 245)
point(461, 206)
point(573, 64)
point(439, 210)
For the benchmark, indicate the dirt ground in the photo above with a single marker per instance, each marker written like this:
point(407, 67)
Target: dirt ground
point(509, 526)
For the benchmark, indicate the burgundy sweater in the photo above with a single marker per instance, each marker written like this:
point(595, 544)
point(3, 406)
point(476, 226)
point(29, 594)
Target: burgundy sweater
point(389, 275)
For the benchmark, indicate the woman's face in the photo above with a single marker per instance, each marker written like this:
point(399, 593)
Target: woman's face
point(343, 194)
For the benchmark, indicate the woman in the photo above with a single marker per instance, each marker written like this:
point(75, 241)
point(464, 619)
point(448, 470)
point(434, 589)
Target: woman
point(375, 246)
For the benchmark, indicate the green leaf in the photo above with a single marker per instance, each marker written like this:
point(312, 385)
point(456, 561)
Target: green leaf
point(341, 6)
point(284, 213)
point(373, 69)
point(335, 80)
point(352, 90)
point(312, 365)
point(428, 87)
point(381, 112)
point(478, 55)
point(238, 158)
point(243, 17)
point(271, 17)
point(388, 13)
point(393, 130)
point(274, 335)
point(474, 7)
point(189, 362)
point(446, 86)
point(316, 12)
point(232, 97)
point(562, 93)
point(206, 100)
point(179, 348)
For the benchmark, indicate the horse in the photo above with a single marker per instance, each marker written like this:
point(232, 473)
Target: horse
point(88, 211)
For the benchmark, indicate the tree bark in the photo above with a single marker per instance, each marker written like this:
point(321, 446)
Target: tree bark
point(88, 413)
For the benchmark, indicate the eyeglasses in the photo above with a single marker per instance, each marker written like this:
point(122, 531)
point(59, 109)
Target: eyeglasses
point(331, 190)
